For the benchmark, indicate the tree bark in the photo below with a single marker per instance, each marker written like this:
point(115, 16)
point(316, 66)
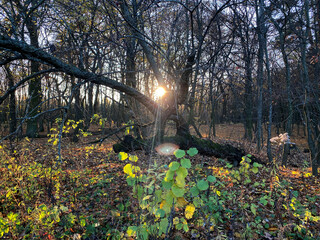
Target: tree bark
point(35, 92)
point(12, 101)
point(261, 32)
point(311, 126)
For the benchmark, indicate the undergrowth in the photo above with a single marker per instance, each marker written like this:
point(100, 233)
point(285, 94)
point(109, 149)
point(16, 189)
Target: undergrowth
point(123, 200)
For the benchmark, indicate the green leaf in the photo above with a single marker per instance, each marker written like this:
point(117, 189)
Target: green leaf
point(123, 156)
point(182, 172)
point(211, 178)
point(180, 181)
point(185, 227)
point(179, 153)
point(229, 165)
point(160, 213)
point(132, 230)
point(130, 181)
point(82, 222)
point(173, 166)
point(169, 175)
point(169, 197)
point(163, 226)
point(185, 163)
point(253, 209)
point(194, 191)
point(263, 200)
point(143, 233)
point(179, 226)
point(177, 191)
point(203, 185)
point(192, 152)
point(140, 191)
point(197, 202)
point(64, 208)
point(167, 184)
point(158, 194)
point(166, 207)
point(255, 170)
point(255, 164)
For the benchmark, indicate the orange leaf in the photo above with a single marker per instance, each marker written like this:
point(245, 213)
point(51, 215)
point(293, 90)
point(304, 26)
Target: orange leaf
point(273, 229)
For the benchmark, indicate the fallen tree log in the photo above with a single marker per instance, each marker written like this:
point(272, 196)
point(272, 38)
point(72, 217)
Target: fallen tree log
point(205, 147)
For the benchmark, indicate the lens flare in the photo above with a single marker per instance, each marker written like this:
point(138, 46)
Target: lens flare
point(167, 149)
point(159, 92)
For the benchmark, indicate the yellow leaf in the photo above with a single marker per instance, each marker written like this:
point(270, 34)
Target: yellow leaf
point(123, 156)
point(128, 169)
point(292, 206)
point(189, 211)
point(133, 158)
point(55, 142)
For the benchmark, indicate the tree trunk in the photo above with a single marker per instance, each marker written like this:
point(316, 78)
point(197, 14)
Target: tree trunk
point(261, 36)
point(35, 93)
point(12, 102)
point(310, 125)
point(286, 148)
point(269, 152)
point(212, 101)
point(205, 147)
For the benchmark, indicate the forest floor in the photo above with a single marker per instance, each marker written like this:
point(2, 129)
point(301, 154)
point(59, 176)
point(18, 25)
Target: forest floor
point(88, 197)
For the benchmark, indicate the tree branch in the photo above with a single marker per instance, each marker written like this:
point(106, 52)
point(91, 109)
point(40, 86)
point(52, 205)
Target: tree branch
point(32, 52)
point(12, 89)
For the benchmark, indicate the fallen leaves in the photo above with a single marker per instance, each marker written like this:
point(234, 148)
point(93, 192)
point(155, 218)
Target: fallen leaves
point(92, 183)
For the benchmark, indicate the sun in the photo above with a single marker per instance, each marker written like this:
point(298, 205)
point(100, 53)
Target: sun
point(159, 92)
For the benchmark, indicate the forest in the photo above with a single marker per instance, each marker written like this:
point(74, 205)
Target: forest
point(159, 119)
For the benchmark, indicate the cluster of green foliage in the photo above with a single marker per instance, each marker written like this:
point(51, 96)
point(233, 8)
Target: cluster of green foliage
point(164, 195)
